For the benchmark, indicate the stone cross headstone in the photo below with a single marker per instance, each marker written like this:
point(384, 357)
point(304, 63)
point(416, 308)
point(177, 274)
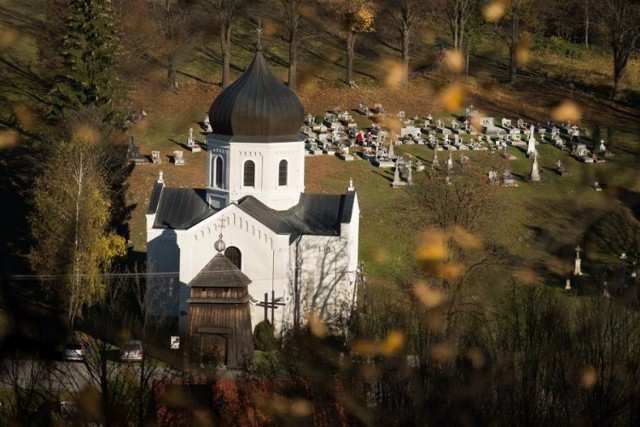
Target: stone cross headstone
point(531, 149)
point(449, 162)
point(396, 177)
point(577, 271)
point(191, 140)
point(535, 173)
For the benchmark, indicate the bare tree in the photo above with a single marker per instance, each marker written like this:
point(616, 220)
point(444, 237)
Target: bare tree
point(406, 15)
point(457, 13)
point(174, 28)
point(226, 12)
point(508, 29)
point(454, 208)
point(622, 17)
point(294, 14)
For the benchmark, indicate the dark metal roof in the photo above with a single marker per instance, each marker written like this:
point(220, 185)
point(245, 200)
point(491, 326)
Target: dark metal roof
point(315, 214)
point(179, 208)
point(220, 272)
point(155, 197)
point(257, 107)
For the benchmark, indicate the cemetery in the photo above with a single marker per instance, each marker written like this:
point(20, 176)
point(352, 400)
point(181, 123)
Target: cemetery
point(529, 159)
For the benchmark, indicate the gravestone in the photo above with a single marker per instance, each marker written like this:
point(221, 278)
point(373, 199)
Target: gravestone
point(191, 142)
point(178, 158)
point(531, 148)
point(577, 271)
point(155, 157)
point(534, 176)
point(435, 163)
point(507, 179)
point(493, 177)
point(133, 153)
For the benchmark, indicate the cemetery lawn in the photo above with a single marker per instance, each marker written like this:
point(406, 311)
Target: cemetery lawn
point(541, 222)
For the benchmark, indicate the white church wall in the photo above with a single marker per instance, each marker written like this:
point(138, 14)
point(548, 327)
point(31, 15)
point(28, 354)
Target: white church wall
point(320, 280)
point(266, 157)
point(263, 254)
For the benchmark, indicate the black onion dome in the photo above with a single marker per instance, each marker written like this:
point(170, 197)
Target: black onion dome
point(257, 108)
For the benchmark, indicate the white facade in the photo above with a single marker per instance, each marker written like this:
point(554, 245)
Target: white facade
point(278, 169)
point(312, 273)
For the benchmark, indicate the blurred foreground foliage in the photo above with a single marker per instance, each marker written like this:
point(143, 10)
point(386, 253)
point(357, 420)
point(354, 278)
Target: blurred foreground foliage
point(526, 356)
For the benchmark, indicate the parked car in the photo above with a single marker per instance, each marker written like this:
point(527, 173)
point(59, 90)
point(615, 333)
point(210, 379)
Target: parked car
point(74, 351)
point(131, 351)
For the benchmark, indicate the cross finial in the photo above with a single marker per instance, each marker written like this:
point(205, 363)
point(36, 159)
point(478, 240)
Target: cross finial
point(259, 33)
point(578, 249)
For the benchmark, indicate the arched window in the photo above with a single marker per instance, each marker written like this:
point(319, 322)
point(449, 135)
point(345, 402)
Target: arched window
point(234, 255)
point(282, 172)
point(249, 174)
point(219, 173)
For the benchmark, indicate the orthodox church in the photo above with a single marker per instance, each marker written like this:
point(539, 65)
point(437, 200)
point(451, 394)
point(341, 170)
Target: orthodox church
point(252, 238)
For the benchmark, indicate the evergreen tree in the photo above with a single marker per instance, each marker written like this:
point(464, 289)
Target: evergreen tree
point(90, 54)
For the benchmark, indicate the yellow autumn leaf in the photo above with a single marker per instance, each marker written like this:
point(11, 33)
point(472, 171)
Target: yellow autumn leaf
point(393, 343)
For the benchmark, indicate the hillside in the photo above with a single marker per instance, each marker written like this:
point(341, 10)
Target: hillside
point(553, 74)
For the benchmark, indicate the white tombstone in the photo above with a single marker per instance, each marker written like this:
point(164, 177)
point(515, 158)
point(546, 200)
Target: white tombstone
point(577, 271)
point(178, 158)
point(531, 148)
point(603, 148)
point(535, 172)
point(155, 157)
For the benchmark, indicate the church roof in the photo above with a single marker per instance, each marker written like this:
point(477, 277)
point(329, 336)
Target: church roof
point(257, 107)
point(315, 214)
point(178, 208)
point(220, 272)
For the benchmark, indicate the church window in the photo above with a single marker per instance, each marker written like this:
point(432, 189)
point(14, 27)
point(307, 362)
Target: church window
point(234, 255)
point(219, 173)
point(282, 172)
point(249, 174)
